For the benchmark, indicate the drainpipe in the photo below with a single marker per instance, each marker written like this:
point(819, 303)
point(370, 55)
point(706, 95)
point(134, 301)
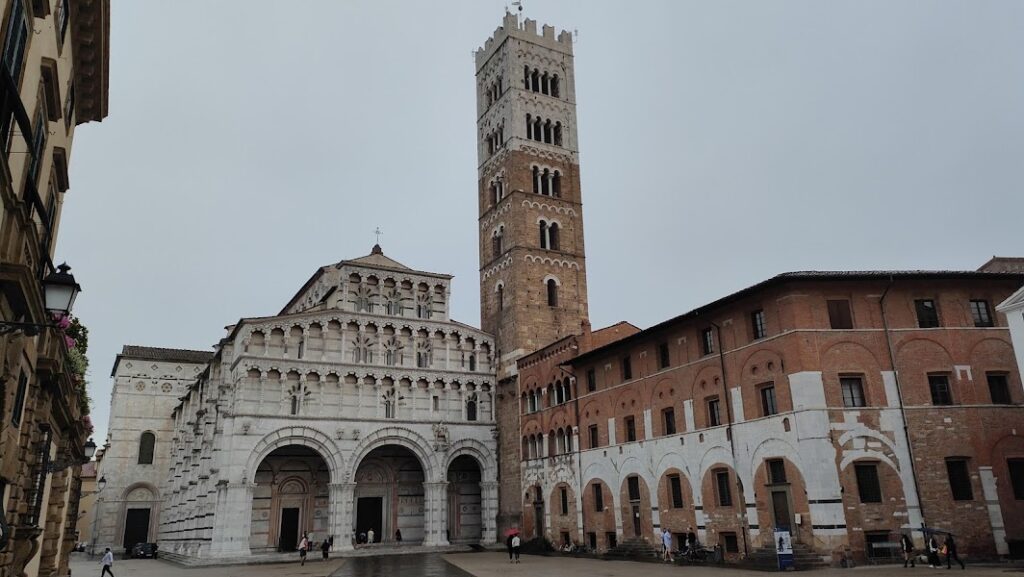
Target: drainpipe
point(732, 443)
point(899, 397)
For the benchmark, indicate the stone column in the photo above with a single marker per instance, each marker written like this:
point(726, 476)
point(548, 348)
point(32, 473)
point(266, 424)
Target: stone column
point(435, 514)
point(340, 525)
point(233, 520)
point(488, 512)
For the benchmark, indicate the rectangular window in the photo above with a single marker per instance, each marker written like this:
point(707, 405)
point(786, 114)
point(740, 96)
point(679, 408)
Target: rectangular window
point(17, 39)
point(19, 398)
point(627, 368)
point(595, 440)
point(868, 487)
point(598, 498)
point(564, 498)
point(714, 414)
point(1016, 467)
point(633, 485)
point(675, 486)
point(853, 391)
point(707, 342)
point(630, 429)
point(776, 471)
point(927, 314)
point(722, 487)
point(941, 393)
point(729, 542)
point(768, 406)
point(663, 356)
point(437, 403)
point(999, 389)
point(591, 380)
point(757, 325)
point(839, 315)
point(981, 313)
point(592, 540)
point(959, 479)
point(668, 417)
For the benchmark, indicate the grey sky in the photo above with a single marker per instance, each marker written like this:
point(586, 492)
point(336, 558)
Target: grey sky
point(250, 142)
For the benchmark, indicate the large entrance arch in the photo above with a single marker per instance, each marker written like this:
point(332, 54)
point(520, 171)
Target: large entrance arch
point(290, 498)
point(465, 502)
point(389, 497)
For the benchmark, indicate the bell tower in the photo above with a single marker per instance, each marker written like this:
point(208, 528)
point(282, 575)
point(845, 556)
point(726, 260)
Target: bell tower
point(533, 288)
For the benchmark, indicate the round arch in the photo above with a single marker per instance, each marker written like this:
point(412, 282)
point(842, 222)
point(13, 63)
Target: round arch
point(478, 451)
point(394, 436)
point(304, 436)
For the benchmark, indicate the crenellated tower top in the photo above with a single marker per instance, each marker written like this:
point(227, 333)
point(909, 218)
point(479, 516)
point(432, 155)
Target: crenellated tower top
point(526, 30)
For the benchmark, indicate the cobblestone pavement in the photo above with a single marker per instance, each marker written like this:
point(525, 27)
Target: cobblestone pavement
point(497, 565)
point(484, 565)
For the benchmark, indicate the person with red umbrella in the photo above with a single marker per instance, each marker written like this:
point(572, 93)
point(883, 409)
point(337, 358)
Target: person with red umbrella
point(513, 532)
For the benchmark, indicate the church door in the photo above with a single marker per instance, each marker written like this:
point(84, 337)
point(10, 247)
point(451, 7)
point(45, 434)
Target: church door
point(289, 535)
point(136, 528)
point(370, 515)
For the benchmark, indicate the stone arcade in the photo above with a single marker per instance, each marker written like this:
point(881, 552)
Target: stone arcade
point(361, 406)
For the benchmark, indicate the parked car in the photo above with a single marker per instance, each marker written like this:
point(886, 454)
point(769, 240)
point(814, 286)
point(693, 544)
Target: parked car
point(144, 551)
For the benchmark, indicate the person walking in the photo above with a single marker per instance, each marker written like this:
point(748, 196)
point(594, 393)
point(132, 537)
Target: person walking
point(508, 543)
point(933, 552)
point(107, 562)
point(303, 548)
point(324, 548)
point(691, 540)
point(907, 545)
point(951, 553)
point(369, 536)
point(666, 544)
point(515, 546)
point(398, 535)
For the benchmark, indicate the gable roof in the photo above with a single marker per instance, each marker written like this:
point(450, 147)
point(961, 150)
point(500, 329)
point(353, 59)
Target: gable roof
point(1013, 302)
point(161, 355)
point(376, 258)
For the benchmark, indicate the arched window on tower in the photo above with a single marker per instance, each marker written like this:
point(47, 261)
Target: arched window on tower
point(147, 443)
point(553, 243)
point(501, 297)
point(552, 293)
point(547, 131)
point(496, 243)
point(544, 83)
point(537, 129)
point(529, 126)
point(545, 182)
point(554, 85)
point(558, 134)
point(471, 408)
point(543, 234)
point(536, 180)
point(556, 184)
point(526, 77)
point(535, 80)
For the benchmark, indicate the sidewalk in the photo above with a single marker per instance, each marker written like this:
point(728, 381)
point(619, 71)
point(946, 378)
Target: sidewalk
point(82, 566)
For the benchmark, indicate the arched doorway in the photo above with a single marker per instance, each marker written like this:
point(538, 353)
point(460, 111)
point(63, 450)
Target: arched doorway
point(464, 500)
point(389, 496)
point(290, 498)
point(140, 516)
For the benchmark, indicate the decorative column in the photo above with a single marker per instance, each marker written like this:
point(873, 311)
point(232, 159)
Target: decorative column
point(488, 512)
point(233, 520)
point(436, 514)
point(340, 524)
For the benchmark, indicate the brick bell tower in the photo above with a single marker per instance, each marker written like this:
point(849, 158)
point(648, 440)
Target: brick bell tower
point(533, 283)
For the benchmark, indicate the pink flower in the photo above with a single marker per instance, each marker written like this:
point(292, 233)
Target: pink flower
point(70, 342)
point(63, 322)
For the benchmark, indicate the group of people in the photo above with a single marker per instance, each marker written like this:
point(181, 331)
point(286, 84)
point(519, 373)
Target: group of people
point(513, 543)
point(307, 544)
point(689, 544)
point(934, 550)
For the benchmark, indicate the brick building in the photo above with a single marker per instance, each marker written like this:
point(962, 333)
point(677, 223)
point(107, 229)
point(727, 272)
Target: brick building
point(845, 406)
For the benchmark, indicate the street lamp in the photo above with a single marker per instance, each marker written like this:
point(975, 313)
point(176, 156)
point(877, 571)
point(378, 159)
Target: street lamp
point(59, 293)
point(101, 484)
point(89, 449)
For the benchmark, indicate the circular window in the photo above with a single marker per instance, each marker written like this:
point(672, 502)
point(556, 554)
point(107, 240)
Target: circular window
point(140, 386)
point(166, 387)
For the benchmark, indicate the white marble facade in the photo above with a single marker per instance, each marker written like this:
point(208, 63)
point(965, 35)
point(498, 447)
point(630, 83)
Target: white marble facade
point(361, 405)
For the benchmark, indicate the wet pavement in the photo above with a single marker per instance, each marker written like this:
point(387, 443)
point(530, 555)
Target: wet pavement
point(413, 565)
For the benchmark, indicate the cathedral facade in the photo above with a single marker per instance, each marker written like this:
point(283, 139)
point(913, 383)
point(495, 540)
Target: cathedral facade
point(360, 409)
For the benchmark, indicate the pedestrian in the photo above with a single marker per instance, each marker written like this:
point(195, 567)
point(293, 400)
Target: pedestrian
point(907, 545)
point(666, 543)
point(324, 548)
point(933, 552)
point(950, 546)
point(515, 546)
point(398, 535)
point(330, 542)
point(691, 540)
point(369, 536)
point(108, 560)
point(303, 547)
point(508, 543)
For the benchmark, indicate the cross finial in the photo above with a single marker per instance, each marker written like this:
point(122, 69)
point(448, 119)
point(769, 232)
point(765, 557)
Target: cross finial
point(377, 232)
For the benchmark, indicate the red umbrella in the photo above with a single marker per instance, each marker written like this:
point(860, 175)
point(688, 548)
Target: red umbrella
point(512, 531)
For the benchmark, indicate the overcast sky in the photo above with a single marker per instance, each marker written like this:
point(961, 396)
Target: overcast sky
point(721, 143)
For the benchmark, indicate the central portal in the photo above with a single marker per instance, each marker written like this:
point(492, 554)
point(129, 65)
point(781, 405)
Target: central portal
point(389, 496)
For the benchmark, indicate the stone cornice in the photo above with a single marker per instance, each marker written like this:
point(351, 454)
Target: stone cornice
point(90, 36)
